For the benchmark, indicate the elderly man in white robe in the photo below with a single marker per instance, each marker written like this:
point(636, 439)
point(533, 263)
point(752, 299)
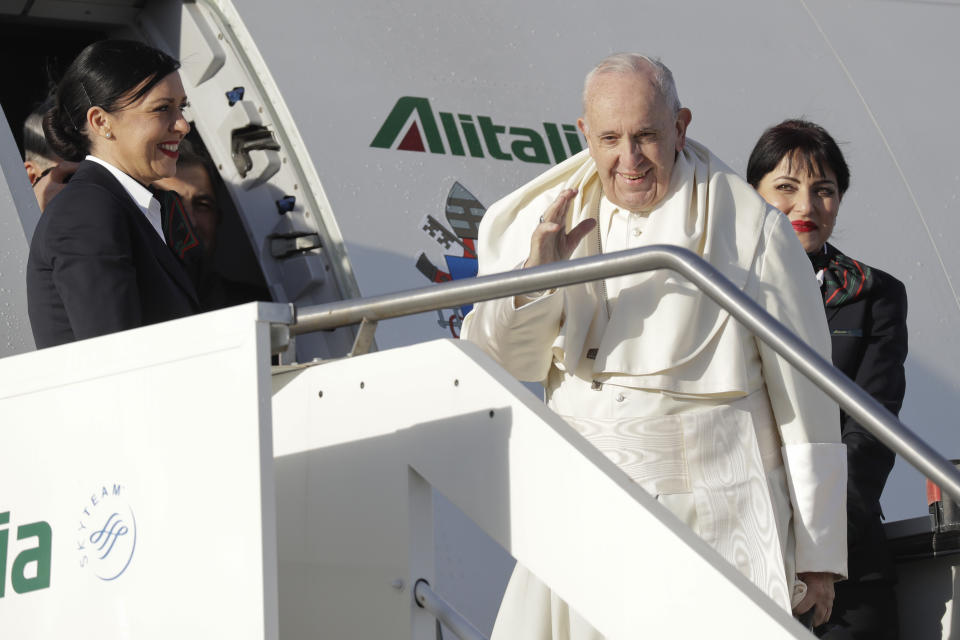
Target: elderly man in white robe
point(647, 367)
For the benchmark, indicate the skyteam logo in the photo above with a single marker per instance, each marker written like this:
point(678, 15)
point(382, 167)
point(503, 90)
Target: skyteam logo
point(413, 126)
point(107, 536)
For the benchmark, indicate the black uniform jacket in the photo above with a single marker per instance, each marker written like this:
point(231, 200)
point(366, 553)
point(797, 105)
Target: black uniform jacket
point(869, 337)
point(97, 266)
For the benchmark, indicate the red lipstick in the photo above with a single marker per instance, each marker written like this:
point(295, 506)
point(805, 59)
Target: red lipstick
point(804, 226)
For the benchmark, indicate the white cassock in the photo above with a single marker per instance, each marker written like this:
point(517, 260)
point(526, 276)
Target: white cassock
point(704, 416)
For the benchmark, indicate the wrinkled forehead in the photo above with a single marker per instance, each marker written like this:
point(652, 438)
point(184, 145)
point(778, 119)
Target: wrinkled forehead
point(629, 96)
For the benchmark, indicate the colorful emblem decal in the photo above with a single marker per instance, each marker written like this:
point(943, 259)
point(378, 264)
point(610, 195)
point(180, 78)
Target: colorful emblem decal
point(463, 213)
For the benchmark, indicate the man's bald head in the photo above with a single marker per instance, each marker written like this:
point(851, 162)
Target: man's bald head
point(37, 155)
point(634, 63)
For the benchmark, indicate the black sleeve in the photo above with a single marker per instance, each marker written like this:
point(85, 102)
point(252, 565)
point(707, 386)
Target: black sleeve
point(89, 248)
point(881, 374)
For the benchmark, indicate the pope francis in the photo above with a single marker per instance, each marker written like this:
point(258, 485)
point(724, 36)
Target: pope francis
point(725, 433)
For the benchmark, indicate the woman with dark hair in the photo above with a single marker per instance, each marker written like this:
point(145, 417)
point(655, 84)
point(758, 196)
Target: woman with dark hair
point(98, 261)
point(797, 167)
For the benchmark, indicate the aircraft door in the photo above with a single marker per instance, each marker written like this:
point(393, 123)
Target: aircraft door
point(254, 143)
point(19, 214)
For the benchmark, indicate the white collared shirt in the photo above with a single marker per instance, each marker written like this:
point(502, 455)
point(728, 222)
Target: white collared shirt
point(140, 195)
point(820, 272)
point(620, 230)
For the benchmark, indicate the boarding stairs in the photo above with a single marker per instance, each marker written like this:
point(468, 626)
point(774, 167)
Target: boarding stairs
point(313, 500)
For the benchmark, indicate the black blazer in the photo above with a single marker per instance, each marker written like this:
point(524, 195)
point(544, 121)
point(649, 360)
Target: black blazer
point(96, 265)
point(869, 337)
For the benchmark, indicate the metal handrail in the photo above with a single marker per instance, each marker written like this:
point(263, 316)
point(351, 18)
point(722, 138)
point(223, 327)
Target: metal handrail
point(428, 599)
point(855, 401)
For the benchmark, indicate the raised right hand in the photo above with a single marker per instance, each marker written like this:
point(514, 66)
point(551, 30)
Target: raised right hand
point(550, 242)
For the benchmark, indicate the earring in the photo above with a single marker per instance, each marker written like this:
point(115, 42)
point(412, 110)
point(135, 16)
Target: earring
point(108, 135)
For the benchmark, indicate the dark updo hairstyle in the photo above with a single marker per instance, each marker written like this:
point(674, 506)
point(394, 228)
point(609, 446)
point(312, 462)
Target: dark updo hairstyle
point(800, 141)
point(104, 75)
point(35, 147)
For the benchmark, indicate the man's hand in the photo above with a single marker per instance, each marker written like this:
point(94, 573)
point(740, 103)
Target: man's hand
point(53, 182)
point(550, 242)
point(819, 596)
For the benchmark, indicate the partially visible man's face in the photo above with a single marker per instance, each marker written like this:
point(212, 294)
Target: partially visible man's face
point(196, 190)
point(633, 136)
point(36, 164)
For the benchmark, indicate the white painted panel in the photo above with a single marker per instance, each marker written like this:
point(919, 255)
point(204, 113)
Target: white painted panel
point(148, 454)
point(360, 441)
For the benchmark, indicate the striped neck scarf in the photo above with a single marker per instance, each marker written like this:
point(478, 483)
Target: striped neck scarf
point(844, 279)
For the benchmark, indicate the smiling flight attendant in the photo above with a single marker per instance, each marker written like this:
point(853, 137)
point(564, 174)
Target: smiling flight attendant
point(798, 168)
point(98, 261)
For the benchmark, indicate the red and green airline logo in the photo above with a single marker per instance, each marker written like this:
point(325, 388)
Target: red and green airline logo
point(413, 126)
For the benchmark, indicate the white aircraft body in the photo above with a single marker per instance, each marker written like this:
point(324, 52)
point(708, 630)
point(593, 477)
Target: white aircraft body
point(393, 125)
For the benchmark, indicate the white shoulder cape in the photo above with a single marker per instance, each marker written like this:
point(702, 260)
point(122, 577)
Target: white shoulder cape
point(708, 209)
